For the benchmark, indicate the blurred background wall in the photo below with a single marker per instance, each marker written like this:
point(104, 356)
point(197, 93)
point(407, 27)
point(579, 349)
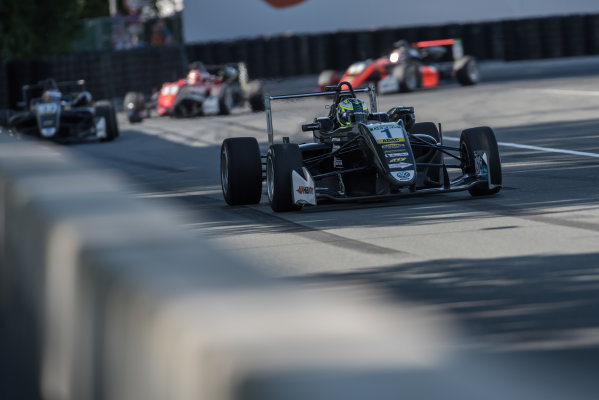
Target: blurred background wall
point(301, 39)
point(231, 19)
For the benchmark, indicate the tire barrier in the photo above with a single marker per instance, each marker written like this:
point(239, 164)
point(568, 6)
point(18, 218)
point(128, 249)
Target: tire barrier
point(474, 38)
point(365, 45)
point(288, 53)
point(104, 296)
point(529, 41)
point(574, 39)
point(257, 61)
point(112, 74)
point(592, 34)
point(320, 58)
point(303, 55)
point(4, 89)
point(553, 42)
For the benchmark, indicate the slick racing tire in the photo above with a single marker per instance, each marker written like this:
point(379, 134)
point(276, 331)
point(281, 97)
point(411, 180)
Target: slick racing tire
point(466, 71)
point(280, 161)
point(134, 104)
point(256, 96)
point(481, 138)
point(433, 175)
point(408, 76)
point(105, 109)
point(226, 100)
point(241, 171)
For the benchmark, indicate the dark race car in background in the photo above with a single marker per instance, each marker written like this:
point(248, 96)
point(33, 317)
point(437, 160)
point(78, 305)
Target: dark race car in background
point(62, 112)
point(205, 90)
point(379, 155)
point(409, 67)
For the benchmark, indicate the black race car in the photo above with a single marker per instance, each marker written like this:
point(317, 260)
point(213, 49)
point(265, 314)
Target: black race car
point(358, 154)
point(63, 112)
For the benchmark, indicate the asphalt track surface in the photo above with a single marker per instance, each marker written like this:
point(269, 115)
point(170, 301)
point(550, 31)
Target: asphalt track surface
point(519, 271)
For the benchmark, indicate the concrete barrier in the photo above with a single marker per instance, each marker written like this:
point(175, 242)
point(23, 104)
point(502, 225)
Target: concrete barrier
point(104, 296)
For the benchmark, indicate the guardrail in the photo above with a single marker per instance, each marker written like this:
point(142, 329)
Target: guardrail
point(104, 296)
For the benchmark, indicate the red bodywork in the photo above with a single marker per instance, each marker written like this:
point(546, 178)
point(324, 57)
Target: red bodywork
point(167, 96)
point(376, 68)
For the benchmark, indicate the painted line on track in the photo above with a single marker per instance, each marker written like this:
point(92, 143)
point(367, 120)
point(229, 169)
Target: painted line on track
point(565, 92)
point(528, 147)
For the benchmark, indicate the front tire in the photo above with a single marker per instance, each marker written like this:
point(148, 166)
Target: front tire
point(241, 171)
point(481, 138)
point(105, 109)
point(280, 161)
point(408, 76)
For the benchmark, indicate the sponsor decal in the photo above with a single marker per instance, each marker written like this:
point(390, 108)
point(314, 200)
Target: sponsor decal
point(392, 140)
point(383, 127)
point(283, 3)
point(393, 146)
point(47, 108)
point(403, 176)
point(480, 161)
point(396, 160)
point(402, 154)
point(305, 190)
point(400, 165)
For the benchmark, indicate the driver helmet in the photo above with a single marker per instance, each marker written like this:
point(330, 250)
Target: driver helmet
point(351, 110)
point(51, 95)
point(194, 77)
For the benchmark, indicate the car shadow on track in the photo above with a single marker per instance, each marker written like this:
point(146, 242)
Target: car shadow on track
point(541, 309)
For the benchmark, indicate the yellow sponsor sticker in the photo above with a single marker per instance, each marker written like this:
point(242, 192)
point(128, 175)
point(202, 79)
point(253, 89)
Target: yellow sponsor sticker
point(392, 140)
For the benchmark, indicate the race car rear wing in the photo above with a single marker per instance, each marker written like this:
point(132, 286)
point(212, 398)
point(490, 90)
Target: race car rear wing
point(35, 90)
point(267, 99)
point(457, 49)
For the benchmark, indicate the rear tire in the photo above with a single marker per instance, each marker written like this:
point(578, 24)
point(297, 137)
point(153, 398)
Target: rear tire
point(134, 104)
point(280, 161)
point(241, 171)
point(105, 109)
point(256, 96)
point(430, 129)
point(466, 71)
point(226, 101)
point(481, 138)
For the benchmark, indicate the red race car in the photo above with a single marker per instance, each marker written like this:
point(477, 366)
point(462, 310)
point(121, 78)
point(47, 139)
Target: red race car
point(409, 67)
point(204, 91)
